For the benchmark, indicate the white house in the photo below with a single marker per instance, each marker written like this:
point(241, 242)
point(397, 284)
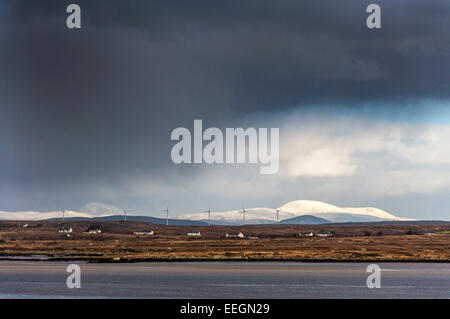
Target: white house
point(95, 231)
point(65, 230)
point(239, 235)
point(307, 234)
point(144, 233)
point(194, 233)
point(324, 234)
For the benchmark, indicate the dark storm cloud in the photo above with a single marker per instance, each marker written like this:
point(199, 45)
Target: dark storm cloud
point(99, 103)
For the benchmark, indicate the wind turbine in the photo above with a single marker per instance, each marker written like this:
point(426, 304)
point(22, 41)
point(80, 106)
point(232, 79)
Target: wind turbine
point(209, 216)
point(167, 215)
point(243, 213)
point(125, 214)
point(277, 210)
point(63, 215)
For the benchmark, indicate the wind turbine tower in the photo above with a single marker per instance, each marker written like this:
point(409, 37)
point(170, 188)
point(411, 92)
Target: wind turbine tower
point(209, 216)
point(167, 215)
point(243, 213)
point(125, 215)
point(278, 215)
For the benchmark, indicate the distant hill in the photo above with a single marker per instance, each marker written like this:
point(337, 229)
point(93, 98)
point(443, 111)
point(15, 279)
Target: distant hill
point(306, 220)
point(147, 219)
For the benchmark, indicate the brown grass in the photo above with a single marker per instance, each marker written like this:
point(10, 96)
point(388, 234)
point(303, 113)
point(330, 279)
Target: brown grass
point(274, 243)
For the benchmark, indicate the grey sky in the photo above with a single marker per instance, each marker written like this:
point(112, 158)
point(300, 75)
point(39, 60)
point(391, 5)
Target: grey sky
point(86, 115)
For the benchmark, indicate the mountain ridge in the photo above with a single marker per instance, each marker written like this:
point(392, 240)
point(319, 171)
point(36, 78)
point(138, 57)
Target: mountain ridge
point(290, 210)
point(147, 219)
point(305, 220)
point(299, 208)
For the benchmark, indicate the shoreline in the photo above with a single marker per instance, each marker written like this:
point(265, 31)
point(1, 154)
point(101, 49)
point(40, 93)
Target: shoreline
point(51, 259)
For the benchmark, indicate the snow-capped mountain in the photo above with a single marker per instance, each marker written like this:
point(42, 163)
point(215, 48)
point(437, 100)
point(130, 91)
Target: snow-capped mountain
point(90, 210)
point(294, 209)
point(42, 215)
point(288, 211)
point(302, 207)
point(233, 217)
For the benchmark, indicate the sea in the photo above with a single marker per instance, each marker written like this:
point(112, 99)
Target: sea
point(228, 280)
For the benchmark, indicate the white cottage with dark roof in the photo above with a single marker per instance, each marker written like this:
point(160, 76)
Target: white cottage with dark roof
point(65, 229)
point(194, 233)
point(144, 233)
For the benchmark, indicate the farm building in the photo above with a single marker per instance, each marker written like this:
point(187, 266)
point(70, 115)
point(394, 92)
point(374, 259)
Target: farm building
point(324, 234)
point(194, 233)
point(307, 234)
point(94, 229)
point(239, 235)
point(144, 233)
point(65, 230)
point(311, 234)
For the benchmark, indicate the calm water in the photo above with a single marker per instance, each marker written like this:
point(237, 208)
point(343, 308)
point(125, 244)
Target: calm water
point(224, 280)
